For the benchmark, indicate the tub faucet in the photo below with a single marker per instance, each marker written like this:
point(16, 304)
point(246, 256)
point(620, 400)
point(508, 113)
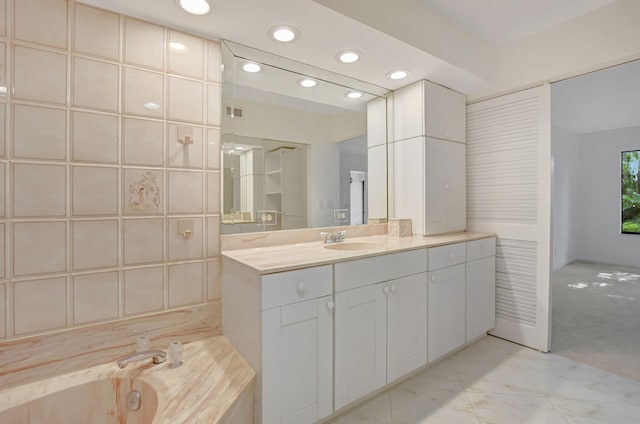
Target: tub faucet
point(157, 355)
point(333, 238)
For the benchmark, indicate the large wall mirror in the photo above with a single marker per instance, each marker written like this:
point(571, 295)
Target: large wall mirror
point(301, 147)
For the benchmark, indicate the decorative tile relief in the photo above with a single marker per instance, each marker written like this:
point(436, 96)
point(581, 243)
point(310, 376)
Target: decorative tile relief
point(3, 197)
point(184, 155)
point(94, 137)
point(213, 148)
point(3, 269)
point(213, 236)
point(184, 192)
point(181, 247)
point(46, 140)
point(96, 32)
point(39, 75)
point(143, 93)
point(3, 126)
point(94, 190)
point(95, 244)
point(213, 192)
point(143, 290)
point(95, 297)
point(186, 54)
point(46, 183)
point(142, 192)
point(142, 142)
point(143, 241)
point(214, 281)
point(185, 284)
point(214, 61)
point(213, 105)
point(39, 247)
point(95, 84)
point(39, 305)
point(41, 21)
point(3, 310)
point(143, 44)
point(185, 100)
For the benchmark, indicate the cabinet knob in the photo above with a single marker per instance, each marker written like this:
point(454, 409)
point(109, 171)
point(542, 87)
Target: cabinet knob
point(450, 255)
point(393, 288)
point(446, 186)
point(385, 290)
point(331, 305)
point(301, 288)
point(433, 278)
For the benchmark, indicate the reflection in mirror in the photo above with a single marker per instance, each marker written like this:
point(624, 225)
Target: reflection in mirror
point(298, 150)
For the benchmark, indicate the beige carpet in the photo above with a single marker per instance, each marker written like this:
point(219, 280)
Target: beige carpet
point(596, 316)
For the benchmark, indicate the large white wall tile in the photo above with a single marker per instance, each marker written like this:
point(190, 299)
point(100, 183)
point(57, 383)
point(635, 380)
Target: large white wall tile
point(181, 247)
point(180, 155)
point(185, 100)
point(3, 126)
point(184, 192)
point(39, 248)
point(213, 148)
point(142, 192)
point(3, 195)
point(213, 192)
point(143, 290)
point(96, 32)
point(213, 105)
point(186, 54)
point(214, 61)
point(142, 142)
point(45, 140)
point(94, 137)
point(3, 310)
point(95, 84)
point(143, 93)
point(39, 75)
point(185, 284)
point(214, 280)
point(94, 190)
point(213, 236)
point(95, 297)
point(143, 241)
point(3, 267)
point(39, 190)
point(41, 21)
point(39, 305)
point(143, 44)
point(95, 244)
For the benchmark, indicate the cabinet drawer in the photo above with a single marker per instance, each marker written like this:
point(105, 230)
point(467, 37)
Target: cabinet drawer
point(295, 286)
point(444, 256)
point(478, 249)
point(361, 272)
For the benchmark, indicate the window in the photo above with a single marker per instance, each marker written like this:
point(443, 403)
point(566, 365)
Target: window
point(630, 192)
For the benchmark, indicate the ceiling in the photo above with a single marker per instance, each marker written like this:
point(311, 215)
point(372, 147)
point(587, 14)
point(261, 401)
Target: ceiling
point(325, 32)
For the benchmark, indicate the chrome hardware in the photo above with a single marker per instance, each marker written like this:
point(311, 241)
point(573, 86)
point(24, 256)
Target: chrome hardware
point(333, 238)
point(158, 357)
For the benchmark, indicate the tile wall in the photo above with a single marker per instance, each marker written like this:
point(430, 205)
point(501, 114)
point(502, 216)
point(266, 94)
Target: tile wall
point(94, 183)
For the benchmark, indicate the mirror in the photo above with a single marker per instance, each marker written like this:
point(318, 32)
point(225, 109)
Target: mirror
point(299, 148)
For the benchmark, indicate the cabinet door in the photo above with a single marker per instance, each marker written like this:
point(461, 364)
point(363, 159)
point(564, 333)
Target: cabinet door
point(445, 113)
point(406, 325)
point(360, 342)
point(481, 296)
point(446, 310)
point(445, 202)
point(297, 366)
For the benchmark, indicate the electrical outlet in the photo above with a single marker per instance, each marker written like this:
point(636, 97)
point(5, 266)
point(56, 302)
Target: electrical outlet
point(267, 217)
point(340, 216)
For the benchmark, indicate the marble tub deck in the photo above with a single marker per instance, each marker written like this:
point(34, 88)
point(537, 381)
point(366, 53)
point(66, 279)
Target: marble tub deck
point(215, 385)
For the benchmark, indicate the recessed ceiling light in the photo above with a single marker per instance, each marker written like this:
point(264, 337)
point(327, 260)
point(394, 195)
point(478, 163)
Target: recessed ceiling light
point(353, 95)
point(196, 7)
point(348, 56)
point(284, 33)
point(251, 67)
point(177, 46)
point(307, 82)
point(398, 74)
point(151, 106)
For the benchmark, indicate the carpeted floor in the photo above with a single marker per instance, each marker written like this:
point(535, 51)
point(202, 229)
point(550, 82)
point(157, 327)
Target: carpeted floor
point(596, 316)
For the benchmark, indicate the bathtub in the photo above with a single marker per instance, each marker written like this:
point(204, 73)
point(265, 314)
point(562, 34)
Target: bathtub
point(215, 385)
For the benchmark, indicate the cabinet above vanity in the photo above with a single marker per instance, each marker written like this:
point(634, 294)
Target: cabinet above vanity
point(326, 327)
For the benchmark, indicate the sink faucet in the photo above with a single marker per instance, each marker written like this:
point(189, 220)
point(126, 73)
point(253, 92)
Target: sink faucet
point(333, 238)
point(157, 355)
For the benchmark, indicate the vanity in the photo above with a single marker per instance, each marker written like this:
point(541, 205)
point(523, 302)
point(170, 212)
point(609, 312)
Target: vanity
point(326, 325)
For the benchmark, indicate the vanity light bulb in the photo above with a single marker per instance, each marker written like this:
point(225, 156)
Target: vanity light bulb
point(251, 67)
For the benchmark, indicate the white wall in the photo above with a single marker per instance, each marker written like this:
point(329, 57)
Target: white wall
point(353, 157)
point(596, 209)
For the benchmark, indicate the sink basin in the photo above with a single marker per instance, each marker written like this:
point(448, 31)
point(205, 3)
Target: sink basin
point(352, 245)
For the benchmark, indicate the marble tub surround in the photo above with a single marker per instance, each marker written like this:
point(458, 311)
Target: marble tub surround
point(286, 257)
point(36, 358)
point(213, 386)
point(399, 227)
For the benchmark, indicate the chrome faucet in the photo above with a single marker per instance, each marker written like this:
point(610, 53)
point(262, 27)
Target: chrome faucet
point(157, 355)
point(333, 238)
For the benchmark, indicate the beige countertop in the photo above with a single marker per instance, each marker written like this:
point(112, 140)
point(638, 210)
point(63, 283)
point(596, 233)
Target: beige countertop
point(286, 257)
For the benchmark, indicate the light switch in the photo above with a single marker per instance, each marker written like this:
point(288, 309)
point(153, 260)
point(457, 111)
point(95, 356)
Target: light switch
point(185, 227)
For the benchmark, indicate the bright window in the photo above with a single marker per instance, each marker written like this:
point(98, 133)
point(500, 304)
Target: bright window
point(630, 192)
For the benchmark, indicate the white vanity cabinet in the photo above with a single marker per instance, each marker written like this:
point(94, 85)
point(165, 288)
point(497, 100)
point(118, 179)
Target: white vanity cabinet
point(282, 324)
point(481, 287)
point(380, 322)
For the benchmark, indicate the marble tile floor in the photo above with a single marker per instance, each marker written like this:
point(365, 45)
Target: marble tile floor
point(495, 381)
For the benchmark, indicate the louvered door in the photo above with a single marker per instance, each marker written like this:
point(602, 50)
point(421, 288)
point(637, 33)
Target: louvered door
point(509, 193)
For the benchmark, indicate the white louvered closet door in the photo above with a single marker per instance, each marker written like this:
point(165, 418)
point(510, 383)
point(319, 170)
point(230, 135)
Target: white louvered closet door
point(509, 193)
